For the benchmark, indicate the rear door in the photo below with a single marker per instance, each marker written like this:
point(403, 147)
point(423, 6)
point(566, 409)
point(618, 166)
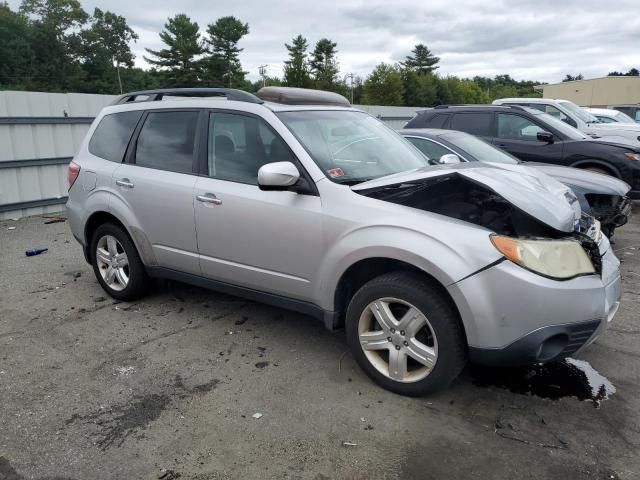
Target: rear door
point(517, 135)
point(156, 183)
point(264, 240)
point(479, 124)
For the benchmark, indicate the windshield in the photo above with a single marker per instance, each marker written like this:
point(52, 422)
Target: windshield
point(622, 117)
point(581, 113)
point(352, 147)
point(567, 130)
point(478, 149)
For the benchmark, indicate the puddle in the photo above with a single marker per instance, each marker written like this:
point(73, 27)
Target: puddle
point(568, 378)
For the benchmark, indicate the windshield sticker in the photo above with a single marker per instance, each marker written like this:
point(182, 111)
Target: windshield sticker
point(335, 172)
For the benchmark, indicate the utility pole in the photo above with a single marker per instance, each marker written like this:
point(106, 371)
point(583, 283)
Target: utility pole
point(262, 69)
point(350, 76)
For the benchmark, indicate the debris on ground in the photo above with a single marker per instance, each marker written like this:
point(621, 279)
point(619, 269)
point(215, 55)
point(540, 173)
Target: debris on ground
point(11, 228)
point(257, 415)
point(35, 251)
point(349, 444)
point(262, 364)
point(99, 299)
point(54, 219)
point(168, 475)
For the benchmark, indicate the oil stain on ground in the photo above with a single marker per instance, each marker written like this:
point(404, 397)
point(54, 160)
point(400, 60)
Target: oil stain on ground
point(7, 472)
point(118, 422)
point(567, 378)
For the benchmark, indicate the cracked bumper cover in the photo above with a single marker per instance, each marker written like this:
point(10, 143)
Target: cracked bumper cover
point(515, 317)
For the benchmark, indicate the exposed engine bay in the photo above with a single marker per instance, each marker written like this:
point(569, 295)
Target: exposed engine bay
point(458, 197)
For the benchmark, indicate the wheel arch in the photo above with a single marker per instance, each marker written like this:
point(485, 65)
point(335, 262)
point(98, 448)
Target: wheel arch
point(366, 269)
point(585, 164)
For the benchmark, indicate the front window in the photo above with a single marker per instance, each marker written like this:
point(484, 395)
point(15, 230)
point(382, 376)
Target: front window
point(581, 113)
point(567, 130)
point(352, 147)
point(477, 148)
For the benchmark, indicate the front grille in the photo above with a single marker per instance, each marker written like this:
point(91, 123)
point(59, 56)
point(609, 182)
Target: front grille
point(578, 336)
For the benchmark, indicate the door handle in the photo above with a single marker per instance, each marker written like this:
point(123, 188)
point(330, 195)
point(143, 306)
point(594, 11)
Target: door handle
point(125, 182)
point(209, 198)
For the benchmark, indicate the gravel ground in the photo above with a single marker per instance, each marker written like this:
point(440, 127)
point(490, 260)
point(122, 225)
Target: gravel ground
point(168, 388)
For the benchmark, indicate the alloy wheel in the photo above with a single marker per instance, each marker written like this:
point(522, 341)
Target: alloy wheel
point(398, 340)
point(112, 262)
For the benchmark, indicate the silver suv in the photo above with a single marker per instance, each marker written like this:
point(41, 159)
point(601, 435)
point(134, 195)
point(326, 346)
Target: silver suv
point(294, 198)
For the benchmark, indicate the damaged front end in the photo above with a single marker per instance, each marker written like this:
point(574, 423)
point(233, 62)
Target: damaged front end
point(539, 227)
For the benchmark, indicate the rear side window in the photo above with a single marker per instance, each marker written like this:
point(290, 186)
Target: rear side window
point(110, 138)
point(473, 123)
point(166, 141)
point(429, 121)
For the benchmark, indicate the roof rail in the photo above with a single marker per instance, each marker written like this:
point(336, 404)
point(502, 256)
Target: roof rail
point(157, 95)
point(507, 105)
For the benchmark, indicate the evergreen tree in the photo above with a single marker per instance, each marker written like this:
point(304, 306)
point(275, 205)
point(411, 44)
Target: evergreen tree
point(422, 61)
point(180, 60)
point(324, 65)
point(223, 65)
point(296, 69)
point(384, 86)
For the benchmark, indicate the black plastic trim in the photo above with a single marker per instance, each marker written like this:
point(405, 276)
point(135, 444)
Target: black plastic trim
point(158, 94)
point(525, 350)
point(330, 319)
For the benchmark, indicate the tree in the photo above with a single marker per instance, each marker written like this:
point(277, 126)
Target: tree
point(54, 45)
point(419, 90)
point(15, 48)
point(384, 86)
point(223, 66)
point(422, 61)
point(105, 45)
point(180, 60)
point(631, 73)
point(324, 65)
point(571, 78)
point(296, 69)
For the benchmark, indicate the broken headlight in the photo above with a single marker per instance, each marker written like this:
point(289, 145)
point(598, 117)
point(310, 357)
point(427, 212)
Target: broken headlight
point(561, 259)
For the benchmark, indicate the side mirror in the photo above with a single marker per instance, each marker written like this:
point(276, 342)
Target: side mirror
point(277, 176)
point(545, 137)
point(449, 158)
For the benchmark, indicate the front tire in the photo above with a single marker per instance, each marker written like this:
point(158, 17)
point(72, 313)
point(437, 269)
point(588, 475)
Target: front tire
point(116, 263)
point(405, 334)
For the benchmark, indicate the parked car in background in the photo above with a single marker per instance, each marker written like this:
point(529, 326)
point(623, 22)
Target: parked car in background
point(579, 118)
point(533, 136)
point(602, 196)
point(632, 110)
point(302, 201)
point(609, 115)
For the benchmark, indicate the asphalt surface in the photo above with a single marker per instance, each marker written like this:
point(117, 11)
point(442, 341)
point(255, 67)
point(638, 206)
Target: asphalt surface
point(167, 388)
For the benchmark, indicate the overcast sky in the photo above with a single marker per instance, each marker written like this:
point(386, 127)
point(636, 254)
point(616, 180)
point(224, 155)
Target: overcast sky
point(528, 39)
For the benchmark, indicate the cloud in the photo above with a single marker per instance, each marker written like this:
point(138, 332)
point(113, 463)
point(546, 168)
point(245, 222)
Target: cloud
point(542, 40)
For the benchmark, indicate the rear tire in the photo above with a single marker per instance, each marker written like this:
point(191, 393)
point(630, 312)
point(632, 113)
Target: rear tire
point(405, 334)
point(116, 263)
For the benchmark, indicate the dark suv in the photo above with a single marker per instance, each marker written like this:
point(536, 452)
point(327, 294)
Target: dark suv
point(534, 136)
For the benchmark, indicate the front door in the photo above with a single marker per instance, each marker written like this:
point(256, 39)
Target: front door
point(265, 240)
point(518, 135)
point(156, 185)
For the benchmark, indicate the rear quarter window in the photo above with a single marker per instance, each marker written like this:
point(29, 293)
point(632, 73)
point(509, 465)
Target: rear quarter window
point(111, 137)
point(437, 120)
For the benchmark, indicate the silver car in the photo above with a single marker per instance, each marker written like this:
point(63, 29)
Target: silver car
point(295, 198)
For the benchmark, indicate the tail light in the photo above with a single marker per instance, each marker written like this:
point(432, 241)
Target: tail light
point(72, 173)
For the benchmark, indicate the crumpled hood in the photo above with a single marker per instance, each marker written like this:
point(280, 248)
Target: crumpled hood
point(529, 189)
point(593, 181)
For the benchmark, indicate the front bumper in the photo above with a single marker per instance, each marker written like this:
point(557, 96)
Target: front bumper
point(515, 317)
